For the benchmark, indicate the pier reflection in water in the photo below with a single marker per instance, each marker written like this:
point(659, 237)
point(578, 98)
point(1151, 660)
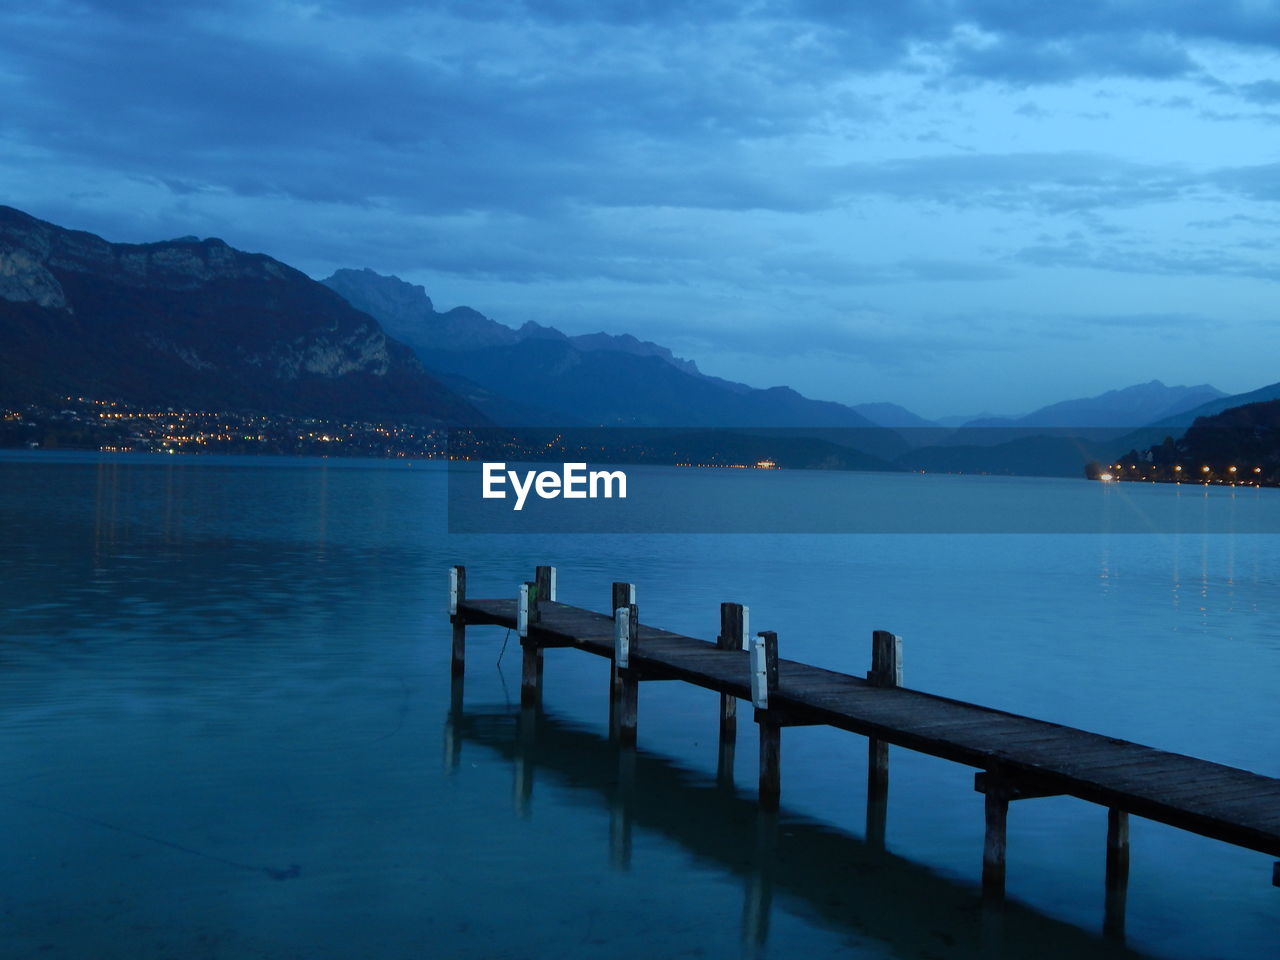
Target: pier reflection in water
point(788, 862)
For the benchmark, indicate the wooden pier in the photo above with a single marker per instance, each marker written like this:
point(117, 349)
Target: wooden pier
point(1017, 757)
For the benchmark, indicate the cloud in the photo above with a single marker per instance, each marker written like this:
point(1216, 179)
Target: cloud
point(689, 165)
point(1260, 91)
point(1235, 220)
point(1138, 322)
point(862, 336)
point(1258, 182)
point(499, 122)
point(1055, 181)
point(529, 108)
point(1142, 259)
point(1022, 61)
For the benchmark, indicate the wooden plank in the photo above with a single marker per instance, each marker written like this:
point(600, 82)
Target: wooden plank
point(1019, 788)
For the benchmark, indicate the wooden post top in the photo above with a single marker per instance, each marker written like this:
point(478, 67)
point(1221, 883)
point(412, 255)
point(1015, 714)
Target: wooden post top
point(545, 580)
point(734, 629)
point(886, 659)
point(457, 588)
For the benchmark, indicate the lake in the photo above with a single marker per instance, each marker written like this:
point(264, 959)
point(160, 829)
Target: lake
point(225, 698)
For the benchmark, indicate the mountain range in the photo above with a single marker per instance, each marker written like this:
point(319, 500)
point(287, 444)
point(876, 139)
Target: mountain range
point(195, 324)
point(407, 313)
point(537, 375)
point(1134, 406)
point(1186, 418)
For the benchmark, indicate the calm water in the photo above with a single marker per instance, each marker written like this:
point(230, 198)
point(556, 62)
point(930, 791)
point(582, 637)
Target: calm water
point(226, 724)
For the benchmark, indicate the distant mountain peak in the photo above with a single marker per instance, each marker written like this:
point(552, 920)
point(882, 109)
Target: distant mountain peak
point(1132, 406)
point(597, 378)
point(892, 415)
point(407, 312)
point(408, 297)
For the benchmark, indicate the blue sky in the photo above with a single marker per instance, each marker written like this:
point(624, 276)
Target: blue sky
point(957, 205)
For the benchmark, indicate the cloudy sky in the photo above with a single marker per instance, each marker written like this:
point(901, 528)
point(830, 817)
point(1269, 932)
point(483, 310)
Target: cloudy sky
point(957, 205)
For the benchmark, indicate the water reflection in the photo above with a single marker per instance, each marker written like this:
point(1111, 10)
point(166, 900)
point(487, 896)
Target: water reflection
point(784, 861)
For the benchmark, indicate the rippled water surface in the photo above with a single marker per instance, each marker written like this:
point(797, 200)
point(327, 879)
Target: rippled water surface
point(227, 730)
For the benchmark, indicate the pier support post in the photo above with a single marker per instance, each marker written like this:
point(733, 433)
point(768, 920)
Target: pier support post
point(457, 596)
point(623, 595)
point(1000, 789)
point(877, 793)
point(620, 810)
point(1275, 874)
point(993, 847)
point(531, 661)
point(734, 618)
point(628, 709)
point(1117, 872)
point(770, 764)
point(725, 757)
point(886, 671)
point(530, 674)
point(543, 592)
point(764, 682)
point(626, 622)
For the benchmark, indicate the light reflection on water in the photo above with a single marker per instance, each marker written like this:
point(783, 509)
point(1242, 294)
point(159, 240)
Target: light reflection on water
point(213, 670)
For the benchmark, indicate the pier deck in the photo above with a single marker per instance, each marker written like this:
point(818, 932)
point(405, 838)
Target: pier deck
point(1021, 757)
point(1222, 802)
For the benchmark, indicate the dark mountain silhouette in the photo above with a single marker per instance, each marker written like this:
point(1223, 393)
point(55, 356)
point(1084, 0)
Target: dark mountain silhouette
point(621, 389)
point(538, 376)
point(892, 415)
point(1238, 445)
point(959, 420)
point(1247, 435)
point(1134, 406)
point(408, 314)
point(1186, 417)
point(195, 324)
